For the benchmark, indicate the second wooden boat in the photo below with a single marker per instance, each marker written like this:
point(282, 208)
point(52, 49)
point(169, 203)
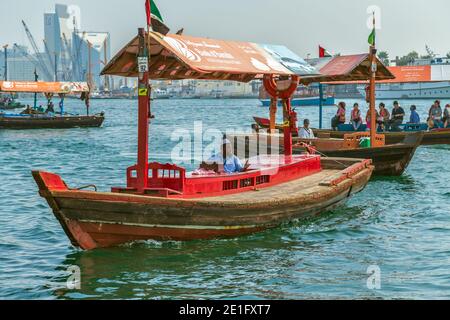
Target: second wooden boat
point(31, 118)
point(389, 160)
point(432, 137)
point(19, 122)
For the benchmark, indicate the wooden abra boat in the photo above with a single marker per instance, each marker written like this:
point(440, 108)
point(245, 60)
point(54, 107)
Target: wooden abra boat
point(432, 137)
point(162, 201)
point(32, 119)
point(203, 207)
point(389, 160)
point(50, 122)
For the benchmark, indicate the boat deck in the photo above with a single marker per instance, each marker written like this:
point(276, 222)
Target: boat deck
point(286, 191)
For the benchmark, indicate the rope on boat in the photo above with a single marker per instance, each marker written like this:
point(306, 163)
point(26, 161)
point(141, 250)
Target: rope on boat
point(307, 146)
point(86, 187)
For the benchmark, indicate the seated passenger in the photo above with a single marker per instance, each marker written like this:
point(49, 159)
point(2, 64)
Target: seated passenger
point(226, 161)
point(446, 116)
point(383, 117)
point(415, 118)
point(28, 110)
point(435, 115)
point(356, 120)
point(306, 132)
point(398, 114)
point(339, 118)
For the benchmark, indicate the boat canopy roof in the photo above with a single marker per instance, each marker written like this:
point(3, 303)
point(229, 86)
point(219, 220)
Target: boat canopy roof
point(346, 69)
point(44, 87)
point(175, 57)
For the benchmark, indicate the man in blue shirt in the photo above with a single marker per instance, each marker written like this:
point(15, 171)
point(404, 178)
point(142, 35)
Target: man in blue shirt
point(227, 160)
point(415, 118)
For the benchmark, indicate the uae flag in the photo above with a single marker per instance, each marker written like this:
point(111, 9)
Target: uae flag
point(323, 53)
point(154, 18)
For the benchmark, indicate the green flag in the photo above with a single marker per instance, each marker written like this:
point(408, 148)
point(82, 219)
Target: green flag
point(372, 37)
point(154, 17)
point(155, 11)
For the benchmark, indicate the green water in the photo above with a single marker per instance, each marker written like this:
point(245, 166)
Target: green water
point(401, 225)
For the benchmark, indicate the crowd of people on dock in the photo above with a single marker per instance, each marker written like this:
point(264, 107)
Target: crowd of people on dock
point(438, 117)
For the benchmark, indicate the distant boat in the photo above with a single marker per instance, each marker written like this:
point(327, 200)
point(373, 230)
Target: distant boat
point(416, 90)
point(306, 101)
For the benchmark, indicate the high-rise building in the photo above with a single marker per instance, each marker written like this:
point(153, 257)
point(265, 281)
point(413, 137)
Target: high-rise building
point(74, 49)
point(93, 48)
point(20, 65)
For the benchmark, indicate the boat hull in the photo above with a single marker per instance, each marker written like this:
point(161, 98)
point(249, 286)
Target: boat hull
point(95, 220)
point(51, 122)
point(389, 160)
point(11, 106)
point(305, 102)
point(433, 137)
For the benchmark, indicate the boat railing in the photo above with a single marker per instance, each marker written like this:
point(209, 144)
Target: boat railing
point(160, 177)
point(352, 141)
point(168, 180)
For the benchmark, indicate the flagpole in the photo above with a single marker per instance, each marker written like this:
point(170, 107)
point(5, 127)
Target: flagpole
point(373, 72)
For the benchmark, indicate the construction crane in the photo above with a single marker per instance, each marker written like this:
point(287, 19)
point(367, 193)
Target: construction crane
point(42, 64)
point(51, 61)
point(30, 58)
point(70, 53)
point(77, 57)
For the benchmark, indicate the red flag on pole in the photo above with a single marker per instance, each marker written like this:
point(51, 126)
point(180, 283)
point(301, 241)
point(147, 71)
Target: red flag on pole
point(148, 11)
point(323, 53)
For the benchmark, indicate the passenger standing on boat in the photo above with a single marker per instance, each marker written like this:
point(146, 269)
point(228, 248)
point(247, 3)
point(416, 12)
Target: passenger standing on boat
point(415, 118)
point(398, 114)
point(435, 115)
point(306, 132)
point(446, 116)
point(339, 118)
point(50, 108)
point(356, 119)
point(226, 161)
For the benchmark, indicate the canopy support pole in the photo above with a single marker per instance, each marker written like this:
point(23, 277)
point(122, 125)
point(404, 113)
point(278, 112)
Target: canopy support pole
point(373, 74)
point(272, 88)
point(144, 110)
point(61, 105)
point(320, 105)
point(36, 78)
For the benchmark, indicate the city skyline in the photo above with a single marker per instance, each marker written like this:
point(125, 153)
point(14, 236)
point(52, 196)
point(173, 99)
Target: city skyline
point(248, 21)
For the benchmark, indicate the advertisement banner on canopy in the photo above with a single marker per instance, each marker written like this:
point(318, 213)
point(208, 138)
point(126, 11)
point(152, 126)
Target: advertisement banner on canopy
point(44, 87)
point(208, 55)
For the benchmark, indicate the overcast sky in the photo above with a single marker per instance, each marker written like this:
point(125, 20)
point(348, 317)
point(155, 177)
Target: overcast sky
point(339, 25)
